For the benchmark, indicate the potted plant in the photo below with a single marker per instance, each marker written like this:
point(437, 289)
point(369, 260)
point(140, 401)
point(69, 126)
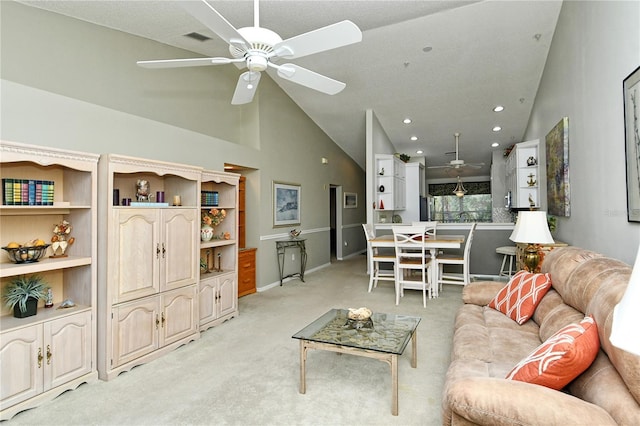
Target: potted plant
point(22, 295)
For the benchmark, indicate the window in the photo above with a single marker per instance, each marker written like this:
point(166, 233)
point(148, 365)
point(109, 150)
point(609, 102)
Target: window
point(475, 206)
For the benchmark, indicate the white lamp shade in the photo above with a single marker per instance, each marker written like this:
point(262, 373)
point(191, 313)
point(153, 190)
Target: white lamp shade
point(624, 329)
point(532, 228)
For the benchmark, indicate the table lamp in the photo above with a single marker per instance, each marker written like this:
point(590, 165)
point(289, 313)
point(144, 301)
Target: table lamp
point(531, 228)
point(624, 328)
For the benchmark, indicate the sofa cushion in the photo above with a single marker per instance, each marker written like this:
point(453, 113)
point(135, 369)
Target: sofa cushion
point(519, 298)
point(562, 358)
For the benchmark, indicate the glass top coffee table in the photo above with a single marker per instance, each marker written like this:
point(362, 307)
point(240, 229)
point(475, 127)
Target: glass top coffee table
point(384, 338)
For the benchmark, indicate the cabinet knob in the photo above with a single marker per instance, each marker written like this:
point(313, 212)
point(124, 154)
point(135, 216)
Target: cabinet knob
point(48, 355)
point(157, 322)
point(163, 250)
point(40, 357)
point(163, 319)
point(158, 251)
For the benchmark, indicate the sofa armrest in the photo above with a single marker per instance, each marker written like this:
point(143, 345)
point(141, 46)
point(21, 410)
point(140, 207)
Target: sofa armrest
point(493, 401)
point(481, 292)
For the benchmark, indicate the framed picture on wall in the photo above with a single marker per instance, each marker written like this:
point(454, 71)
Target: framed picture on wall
point(631, 86)
point(286, 204)
point(350, 200)
point(558, 194)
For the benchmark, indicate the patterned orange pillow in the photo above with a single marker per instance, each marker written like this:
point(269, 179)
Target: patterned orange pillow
point(518, 299)
point(562, 358)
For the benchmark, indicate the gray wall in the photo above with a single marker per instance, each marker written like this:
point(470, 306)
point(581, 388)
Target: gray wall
point(595, 46)
point(70, 84)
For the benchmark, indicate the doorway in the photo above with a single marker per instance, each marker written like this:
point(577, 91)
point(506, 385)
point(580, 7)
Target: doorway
point(335, 222)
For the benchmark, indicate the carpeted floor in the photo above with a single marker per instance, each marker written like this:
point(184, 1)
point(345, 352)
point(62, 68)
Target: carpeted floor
point(246, 371)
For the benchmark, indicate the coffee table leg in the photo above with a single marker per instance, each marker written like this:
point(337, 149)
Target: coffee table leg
point(394, 385)
point(303, 359)
point(414, 349)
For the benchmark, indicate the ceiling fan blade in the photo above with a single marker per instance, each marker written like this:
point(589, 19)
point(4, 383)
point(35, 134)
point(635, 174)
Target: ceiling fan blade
point(326, 38)
point(193, 62)
point(439, 167)
point(246, 88)
point(203, 12)
point(309, 78)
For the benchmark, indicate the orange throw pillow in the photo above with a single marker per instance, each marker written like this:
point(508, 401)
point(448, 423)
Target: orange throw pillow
point(518, 299)
point(562, 358)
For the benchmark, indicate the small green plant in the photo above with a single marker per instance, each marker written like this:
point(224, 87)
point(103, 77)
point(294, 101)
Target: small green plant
point(22, 288)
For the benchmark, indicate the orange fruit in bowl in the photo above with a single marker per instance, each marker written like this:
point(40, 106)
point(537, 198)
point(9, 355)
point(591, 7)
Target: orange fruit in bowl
point(13, 244)
point(39, 243)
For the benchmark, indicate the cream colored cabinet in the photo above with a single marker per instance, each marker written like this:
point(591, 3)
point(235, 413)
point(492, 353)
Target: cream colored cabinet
point(218, 298)
point(143, 326)
point(149, 281)
point(155, 248)
point(523, 175)
point(44, 355)
point(218, 289)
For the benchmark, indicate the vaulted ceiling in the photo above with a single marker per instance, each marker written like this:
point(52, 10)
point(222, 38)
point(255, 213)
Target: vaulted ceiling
point(444, 64)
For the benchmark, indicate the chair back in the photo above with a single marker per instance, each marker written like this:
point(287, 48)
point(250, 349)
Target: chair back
point(467, 246)
point(369, 231)
point(430, 227)
point(409, 244)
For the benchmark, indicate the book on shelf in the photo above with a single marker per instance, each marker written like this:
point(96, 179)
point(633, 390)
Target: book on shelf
point(27, 192)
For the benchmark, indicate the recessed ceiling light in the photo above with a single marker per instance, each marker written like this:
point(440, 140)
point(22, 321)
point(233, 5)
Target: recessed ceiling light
point(419, 151)
point(498, 108)
point(497, 129)
point(414, 138)
point(427, 49)
point(495, 144)
point(407, 120)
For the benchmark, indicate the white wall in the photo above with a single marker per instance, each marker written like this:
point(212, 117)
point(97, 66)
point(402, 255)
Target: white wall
point(595, 46)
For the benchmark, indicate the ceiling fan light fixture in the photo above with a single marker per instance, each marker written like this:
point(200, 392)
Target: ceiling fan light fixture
point(459, 191)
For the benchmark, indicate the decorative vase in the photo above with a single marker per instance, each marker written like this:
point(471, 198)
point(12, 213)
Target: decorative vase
point(206, 233)
point(32, 308)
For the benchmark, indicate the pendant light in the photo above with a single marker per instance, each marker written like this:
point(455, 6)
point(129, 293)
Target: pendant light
point(459, 191)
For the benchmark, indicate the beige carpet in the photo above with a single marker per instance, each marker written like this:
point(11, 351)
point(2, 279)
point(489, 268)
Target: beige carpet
point(246, 371)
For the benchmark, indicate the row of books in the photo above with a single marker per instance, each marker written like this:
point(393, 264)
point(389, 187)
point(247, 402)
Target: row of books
point(209, 198)
point(27, 192)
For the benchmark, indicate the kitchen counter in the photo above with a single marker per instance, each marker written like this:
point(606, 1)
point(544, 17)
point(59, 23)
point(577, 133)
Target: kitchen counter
point(488, 236)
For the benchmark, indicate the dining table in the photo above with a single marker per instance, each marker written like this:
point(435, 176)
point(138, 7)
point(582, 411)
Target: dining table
point(432, 243)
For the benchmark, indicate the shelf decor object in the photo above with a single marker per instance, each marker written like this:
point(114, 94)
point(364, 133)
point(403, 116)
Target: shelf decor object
point(631, 87)
point(531, 228)
point(558, 196)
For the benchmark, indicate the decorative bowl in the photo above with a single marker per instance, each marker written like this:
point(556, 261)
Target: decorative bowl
point(359, 314)
point(294, 233)
point(26, 254)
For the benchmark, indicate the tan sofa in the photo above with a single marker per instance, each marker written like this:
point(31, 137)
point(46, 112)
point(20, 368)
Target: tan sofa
point(487, 345)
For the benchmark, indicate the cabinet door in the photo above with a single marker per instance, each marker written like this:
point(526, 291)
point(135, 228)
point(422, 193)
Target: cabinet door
point(207, 299)
point(135, 329)
point(67, 349)
point(179, 314)
point(135, 254)
point(227, 295)
point(181, 236)
point(21, 364)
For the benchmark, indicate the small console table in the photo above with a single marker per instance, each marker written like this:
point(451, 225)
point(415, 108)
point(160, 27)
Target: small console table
point(281, 247)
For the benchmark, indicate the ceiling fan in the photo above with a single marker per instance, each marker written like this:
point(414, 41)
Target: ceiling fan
point(259, 48)
point(457, 163)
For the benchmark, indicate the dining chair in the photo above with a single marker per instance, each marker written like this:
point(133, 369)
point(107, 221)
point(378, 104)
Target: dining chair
point(376, 258)
point(456, 259)
point(430, 227)
point(412, 264)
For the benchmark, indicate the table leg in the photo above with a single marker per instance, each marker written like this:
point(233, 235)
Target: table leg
point(434, 273)
point(303, 359)
point(414, 349)
point(394, 385)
